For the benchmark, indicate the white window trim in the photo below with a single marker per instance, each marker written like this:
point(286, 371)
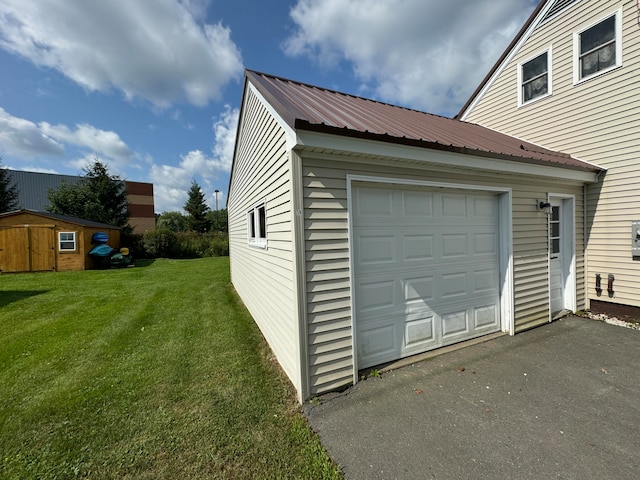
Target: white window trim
point(576, 47)
point(60, 241)
point(521, 101)
point(257, 241)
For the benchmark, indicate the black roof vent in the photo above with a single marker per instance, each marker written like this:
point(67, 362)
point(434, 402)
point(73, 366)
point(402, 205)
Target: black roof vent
point(557, 7)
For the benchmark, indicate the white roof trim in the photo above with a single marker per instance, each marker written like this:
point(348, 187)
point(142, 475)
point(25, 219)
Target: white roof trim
point(338, 143)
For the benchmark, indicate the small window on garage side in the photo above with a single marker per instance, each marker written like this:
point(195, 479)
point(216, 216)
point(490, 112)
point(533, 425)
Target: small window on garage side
point(598, 48)
point(257, 225)
point(66, 241)
point(535, 78)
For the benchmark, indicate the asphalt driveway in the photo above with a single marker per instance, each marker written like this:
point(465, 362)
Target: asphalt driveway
point(558, 401)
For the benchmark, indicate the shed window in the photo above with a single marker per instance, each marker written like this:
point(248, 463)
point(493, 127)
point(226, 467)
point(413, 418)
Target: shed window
point(598, 48)
point(535, 77)
point(66, 241)
point(257, 225)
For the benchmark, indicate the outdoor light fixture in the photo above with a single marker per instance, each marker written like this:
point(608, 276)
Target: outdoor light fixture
point(545, 207)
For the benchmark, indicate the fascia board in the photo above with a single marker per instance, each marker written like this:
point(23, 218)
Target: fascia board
point(336, 143)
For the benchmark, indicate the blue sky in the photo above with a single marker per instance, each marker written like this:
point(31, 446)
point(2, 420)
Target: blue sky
point(153, 87)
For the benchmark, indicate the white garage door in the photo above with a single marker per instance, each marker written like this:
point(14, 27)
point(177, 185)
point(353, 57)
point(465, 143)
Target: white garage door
point(426, 268)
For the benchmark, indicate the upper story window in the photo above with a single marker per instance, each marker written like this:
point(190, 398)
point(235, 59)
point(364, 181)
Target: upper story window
point(598, 48)
point(66, 241)
point(257, 225)
point(535, 78)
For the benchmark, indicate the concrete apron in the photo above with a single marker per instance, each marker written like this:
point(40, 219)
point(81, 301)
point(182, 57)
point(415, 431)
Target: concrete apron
point(558, 401)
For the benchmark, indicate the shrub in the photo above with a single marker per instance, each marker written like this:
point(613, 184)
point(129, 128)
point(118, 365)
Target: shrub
point(159, 243)
point(168, 244)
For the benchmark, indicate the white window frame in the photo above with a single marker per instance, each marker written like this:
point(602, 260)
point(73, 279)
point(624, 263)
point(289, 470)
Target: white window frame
point(61, 241)
point(521, 101)
point(257, 236)
point(577, 78)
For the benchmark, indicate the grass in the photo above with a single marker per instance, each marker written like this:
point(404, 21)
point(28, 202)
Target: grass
point(152, 372)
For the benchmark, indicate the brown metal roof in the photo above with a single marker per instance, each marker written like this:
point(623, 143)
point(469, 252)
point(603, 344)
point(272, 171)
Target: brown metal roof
point(311, 108)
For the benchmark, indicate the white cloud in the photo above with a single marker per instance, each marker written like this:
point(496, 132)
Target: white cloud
point(24, 139)
point(155, 50)
point(171, 183)
point(427, 54)
point(103, 143)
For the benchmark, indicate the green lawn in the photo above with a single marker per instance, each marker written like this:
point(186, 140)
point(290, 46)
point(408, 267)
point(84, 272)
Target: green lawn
point(154, 372)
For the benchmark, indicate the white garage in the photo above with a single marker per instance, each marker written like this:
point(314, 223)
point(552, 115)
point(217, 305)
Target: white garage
point(426, 267)
point(386, 232)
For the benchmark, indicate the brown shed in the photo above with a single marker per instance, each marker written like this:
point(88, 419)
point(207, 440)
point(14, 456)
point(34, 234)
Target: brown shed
point(32, 241)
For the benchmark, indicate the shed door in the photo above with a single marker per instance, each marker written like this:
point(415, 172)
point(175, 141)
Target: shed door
point(426, 269)
point(42, 247)
point(14, 249)
point(27, 248)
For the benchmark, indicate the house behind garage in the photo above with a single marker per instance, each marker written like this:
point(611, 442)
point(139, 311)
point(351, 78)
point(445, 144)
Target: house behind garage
point(362, 232)
point(32, 241)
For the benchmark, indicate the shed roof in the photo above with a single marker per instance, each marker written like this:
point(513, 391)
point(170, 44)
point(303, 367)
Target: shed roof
point(62, 218)
point(307, 107)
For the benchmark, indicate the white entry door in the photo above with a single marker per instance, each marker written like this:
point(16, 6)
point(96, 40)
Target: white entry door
point(556, 281)
point(562, 281)
point(426, 268)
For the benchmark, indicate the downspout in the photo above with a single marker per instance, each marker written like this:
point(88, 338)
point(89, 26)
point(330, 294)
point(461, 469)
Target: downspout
point(584, 245)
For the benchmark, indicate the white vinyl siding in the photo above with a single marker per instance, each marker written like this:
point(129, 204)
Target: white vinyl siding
point(327, 252)
point(264, 277)
point(596, 120)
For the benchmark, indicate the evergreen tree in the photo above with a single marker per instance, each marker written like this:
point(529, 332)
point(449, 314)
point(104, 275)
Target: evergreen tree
point(99, 197)
point(8, 192)
point(196, 209)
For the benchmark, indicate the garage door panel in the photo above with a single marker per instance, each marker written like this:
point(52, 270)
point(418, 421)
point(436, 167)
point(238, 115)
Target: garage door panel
point(485, 244)
point(376, 295)
point(419, 331)
point(485, 281)
point(373, 203)
point(428, 274)
point(485, 317)
point(417, 247)
point(417, 204)
point(419, 289)
point(454, 323)
point(376, 249)
point(377, 344)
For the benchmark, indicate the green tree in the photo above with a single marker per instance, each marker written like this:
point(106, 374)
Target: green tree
point(218, 220)
point(8, 192)
point(196, 209)
point(99, 197)
point(174, 221)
